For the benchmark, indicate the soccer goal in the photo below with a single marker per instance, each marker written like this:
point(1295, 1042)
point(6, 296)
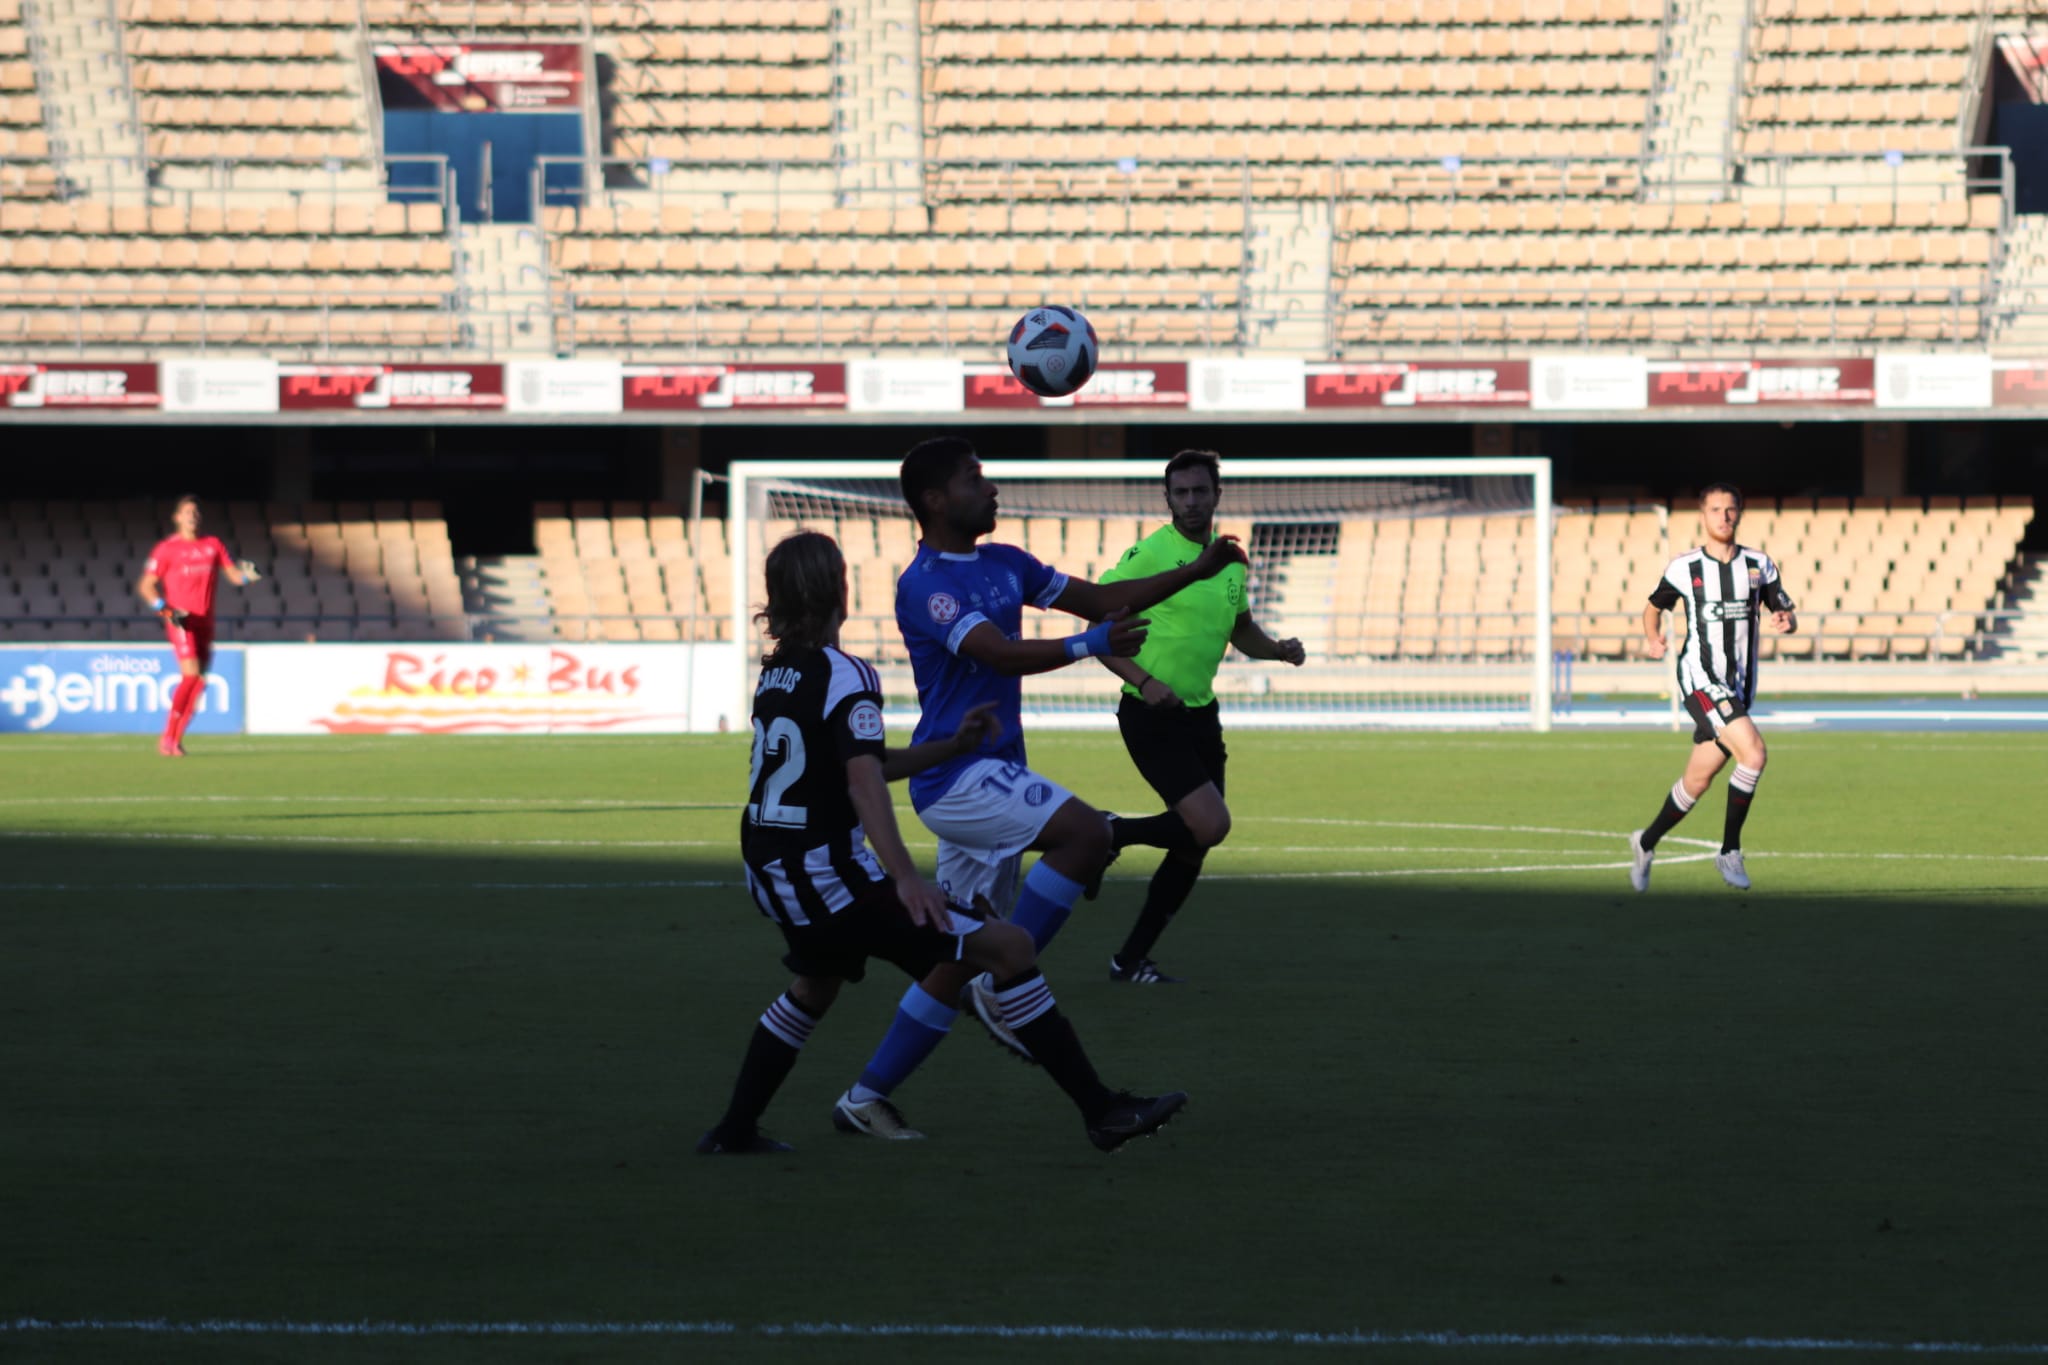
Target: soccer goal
point(1420, 588)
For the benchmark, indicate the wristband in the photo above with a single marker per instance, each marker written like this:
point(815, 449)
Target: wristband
point(157, 605)
point(1090, 643)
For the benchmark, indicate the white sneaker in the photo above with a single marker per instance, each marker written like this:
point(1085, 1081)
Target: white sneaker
point(1639, 862)
point(878, 1118)
point(1732, 870)
point(981, 995)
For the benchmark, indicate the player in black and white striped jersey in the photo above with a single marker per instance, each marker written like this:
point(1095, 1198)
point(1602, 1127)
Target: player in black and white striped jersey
point(816, 799)
point(1726, 589)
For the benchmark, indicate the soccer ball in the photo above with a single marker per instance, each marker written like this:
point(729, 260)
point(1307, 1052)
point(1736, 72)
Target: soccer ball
point(1052, 351)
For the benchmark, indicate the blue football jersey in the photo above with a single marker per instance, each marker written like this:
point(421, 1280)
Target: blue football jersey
point(939, 599)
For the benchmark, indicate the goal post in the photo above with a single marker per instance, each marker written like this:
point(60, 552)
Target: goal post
point(1420, 588)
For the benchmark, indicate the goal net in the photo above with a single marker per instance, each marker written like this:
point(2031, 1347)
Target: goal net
point(1419, 588)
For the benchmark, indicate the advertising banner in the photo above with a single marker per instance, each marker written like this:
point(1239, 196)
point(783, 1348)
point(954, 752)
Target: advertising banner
point(1933, 381)
point(464, 689)
point(1420, 384)
point(379, 387)
point(480, 78)
point(79, 384)
point(1762, 383)
point(220, 385)
point(2019, 383)
point(1589, 383)
point(111, 690)
point(729, 388)
point(1118, 385)
point(1259, 385)
point(904, 386)
point(590, 386)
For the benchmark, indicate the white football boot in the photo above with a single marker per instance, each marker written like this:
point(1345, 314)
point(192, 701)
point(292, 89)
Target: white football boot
point(1640, 859)
point(1732, 870)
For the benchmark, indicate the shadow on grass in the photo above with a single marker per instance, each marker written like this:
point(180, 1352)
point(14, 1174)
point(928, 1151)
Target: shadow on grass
point(436, 1085)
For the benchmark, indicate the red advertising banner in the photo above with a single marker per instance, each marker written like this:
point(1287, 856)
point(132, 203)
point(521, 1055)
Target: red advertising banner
point(390, 386)
point(80, 384)
point(2019, 383)
point(1420, 384)
point(1762, 383)
point(1119, 385)
point(734, 387)
point(480, 78)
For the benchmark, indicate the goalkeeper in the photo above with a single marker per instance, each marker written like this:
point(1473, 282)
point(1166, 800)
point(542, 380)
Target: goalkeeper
point(1168, 713)
point(177, 583)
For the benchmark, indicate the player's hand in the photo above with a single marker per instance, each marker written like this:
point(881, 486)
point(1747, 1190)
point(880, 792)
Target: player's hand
point(981, 725)
point(1653, 646)
point(1126, 632)
point(1218, 555)
point(1158, 695)
point(925, 902)
point(1292, 652)
point(250, 573)
point(1782, 622)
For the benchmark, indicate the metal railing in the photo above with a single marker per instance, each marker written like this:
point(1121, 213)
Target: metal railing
point(182, 180)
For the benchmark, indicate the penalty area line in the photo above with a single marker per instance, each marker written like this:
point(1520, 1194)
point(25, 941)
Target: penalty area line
point(1050, 1332)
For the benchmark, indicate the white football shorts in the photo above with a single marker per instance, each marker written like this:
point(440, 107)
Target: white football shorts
point(994, 812)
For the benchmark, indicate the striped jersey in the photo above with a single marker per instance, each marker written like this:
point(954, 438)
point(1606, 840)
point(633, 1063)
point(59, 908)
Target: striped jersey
point(806, 854)
point(1722, 618)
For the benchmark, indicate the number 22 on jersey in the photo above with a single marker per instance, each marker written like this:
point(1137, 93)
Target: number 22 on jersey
point(781, 743)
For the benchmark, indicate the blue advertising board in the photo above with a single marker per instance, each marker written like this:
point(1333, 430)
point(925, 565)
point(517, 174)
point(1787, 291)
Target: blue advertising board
point(112, 689)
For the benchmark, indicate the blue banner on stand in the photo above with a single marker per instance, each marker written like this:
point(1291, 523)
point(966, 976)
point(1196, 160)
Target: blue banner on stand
point(111, 690)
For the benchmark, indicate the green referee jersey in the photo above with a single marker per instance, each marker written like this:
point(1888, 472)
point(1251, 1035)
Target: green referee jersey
point(1191, 629)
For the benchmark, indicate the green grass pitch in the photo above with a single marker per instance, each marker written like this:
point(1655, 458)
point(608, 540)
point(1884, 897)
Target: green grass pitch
point(423, 1031)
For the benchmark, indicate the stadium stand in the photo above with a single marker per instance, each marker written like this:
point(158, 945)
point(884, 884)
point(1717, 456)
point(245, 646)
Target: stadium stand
point(1884, 578)
point(1288, 80)
point(307, 273)
point(292, 65)
point(1845, 77)
point(24, 143)
point(634, 572)
point(353, 571)
point(1766, 270)
point(681, 273)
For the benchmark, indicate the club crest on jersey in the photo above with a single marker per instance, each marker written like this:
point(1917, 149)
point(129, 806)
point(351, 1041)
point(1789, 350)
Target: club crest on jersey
point(1698, 582)
point(943, 607)
point(1756, 578)
point(1037, 794)
point(866, 721)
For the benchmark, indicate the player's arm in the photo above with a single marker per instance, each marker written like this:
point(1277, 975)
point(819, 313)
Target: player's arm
point(1150, 690)
point(979, 726)
point(1095, 601)
point(1248, 638)
point(1784, 619)
point(869, 792)
point(240, 572)
point(1661, 601)
point(151, 589)
point(1123, 636)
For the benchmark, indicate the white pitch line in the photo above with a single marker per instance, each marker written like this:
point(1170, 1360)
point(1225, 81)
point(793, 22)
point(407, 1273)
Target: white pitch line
point(1047, 1332)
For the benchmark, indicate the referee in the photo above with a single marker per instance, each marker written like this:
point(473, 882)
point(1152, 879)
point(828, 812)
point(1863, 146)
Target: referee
point(1168, 712)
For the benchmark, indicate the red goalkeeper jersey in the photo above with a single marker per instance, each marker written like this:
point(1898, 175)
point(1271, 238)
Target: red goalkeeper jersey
point(186, 569)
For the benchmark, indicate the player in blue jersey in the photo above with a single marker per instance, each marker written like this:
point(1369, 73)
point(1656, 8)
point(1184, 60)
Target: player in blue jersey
point(960, 606)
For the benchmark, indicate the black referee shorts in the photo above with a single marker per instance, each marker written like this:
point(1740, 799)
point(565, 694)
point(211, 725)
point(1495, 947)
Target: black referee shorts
point(875, 925)
point(1176, 748)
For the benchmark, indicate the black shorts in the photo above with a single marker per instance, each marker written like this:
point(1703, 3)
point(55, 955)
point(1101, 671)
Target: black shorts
point(1176, 748)
point(1710, 716)
point(876, 925)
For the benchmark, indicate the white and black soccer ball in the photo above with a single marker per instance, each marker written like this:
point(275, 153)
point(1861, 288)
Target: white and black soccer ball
point(1053, 351)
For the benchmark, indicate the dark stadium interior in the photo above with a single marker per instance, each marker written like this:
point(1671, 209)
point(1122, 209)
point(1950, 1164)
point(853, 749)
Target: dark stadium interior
point(489, 477)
